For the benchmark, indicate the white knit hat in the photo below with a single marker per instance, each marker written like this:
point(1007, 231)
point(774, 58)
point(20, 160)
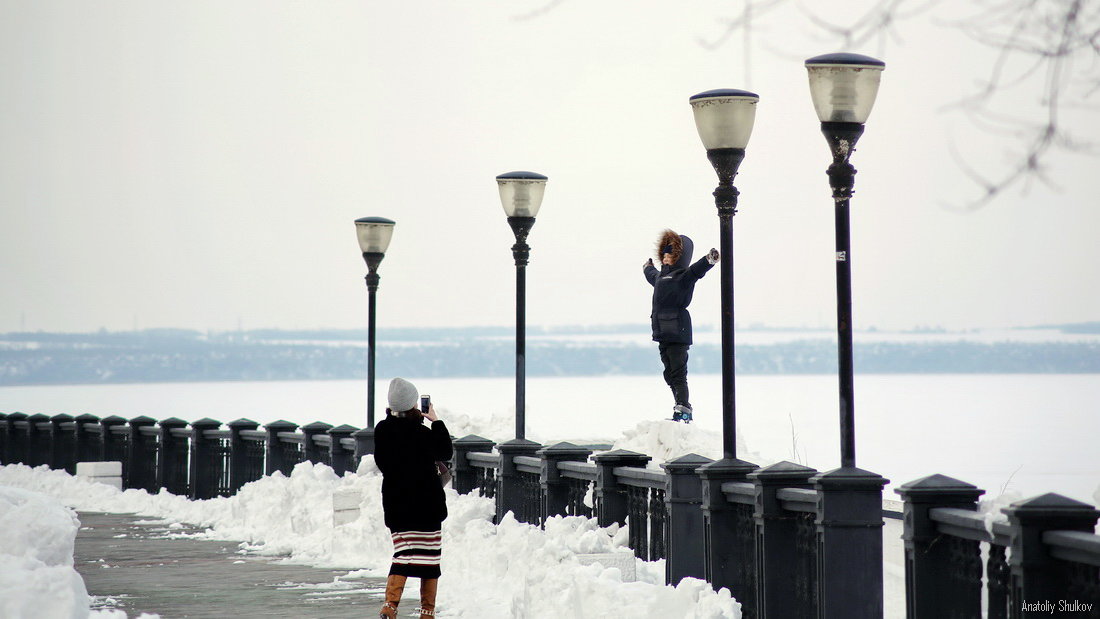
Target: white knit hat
point(403, 395)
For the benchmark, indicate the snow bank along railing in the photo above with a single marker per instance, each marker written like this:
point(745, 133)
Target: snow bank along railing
point(790, 541)
point(198, 460)
point(786, 540)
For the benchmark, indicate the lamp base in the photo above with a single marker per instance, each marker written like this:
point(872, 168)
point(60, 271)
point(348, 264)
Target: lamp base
point(842, 138)
point(521, 226)
point(373, 259)
point(726, 161)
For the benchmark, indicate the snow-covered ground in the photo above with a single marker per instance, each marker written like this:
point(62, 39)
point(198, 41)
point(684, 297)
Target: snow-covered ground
point(36, 557)
point(490, 571)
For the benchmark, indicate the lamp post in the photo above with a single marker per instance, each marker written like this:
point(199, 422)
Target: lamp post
point(521, 196)
point(374, 237)
point(849, 508)
point(724, 119)
point(843, 87)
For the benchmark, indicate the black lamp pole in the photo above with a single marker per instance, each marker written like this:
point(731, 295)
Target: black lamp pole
point(726, 162)
point(724, 119)
point(521, 252)
point(843, 87)
point(373, 259)
point(374, 235)
point(842, 137)
point(521, 196)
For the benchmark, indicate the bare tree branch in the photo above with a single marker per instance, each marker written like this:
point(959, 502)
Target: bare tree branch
point(1047, 38)
point(538, 12)
point(1032, 37)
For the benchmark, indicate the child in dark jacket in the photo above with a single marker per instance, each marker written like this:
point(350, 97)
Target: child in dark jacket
point(673, 286)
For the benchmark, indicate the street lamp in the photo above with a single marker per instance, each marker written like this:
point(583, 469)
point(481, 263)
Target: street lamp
point(843, 87)
point(374, 237)
point(521, 196)
point(724, 119)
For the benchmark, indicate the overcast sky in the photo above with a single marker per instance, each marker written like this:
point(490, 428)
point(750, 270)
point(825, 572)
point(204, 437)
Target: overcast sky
point(200, 164)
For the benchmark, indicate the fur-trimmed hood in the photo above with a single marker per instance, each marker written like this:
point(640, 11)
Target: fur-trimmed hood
point(678, 245)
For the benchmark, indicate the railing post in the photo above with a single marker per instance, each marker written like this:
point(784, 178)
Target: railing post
point(203, 473)
point(171, 469)
point(785, 572)
point(465, 474)
point(86, 451)
point(849, 540)
point(728, 533)
point(684, 523)
point(238, 452)
point(143, 469)
point(5, 442)
point(273, 456)
point(932, 588)
point(338, 457)
point(364, 444)
point(1038, 577)
point(510, 495)
point(312, 451)
point(611, 499)
point(17, 445)
point(555, 488)
point(58, 458)
point(109, 448)
point(39, 452)
point(5, 448)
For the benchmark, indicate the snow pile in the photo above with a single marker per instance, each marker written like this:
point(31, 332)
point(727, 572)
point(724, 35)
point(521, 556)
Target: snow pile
point(506, 570)
point(668, 440)
point(500, 426)
point(37, 534)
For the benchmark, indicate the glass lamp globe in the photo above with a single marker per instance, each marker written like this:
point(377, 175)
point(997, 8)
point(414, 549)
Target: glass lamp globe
point(374, 234)
point(844, 86)
point(724, 117)
point(521, 193)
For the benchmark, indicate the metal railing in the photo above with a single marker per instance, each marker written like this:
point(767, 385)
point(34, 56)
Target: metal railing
point(787, 540)
point(198, 460)
point(1046, 550)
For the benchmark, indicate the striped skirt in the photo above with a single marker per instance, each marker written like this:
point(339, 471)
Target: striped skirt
point(416, 553)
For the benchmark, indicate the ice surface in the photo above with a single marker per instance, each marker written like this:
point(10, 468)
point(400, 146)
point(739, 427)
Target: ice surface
point(983, 429)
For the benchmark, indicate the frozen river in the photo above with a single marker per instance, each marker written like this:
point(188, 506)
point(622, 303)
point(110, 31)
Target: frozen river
point(1025, 434)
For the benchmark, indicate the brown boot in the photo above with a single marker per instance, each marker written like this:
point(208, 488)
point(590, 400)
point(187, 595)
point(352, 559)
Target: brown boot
point(428, 588)
point(395, 585)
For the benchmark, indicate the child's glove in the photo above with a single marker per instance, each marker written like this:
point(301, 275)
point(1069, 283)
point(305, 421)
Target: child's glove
point(712, 256)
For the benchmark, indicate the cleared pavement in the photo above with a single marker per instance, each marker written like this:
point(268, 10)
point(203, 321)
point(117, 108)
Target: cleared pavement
point(136, 568)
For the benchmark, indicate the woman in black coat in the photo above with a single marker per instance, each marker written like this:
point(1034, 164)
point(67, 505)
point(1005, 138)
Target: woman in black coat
point(406, 452)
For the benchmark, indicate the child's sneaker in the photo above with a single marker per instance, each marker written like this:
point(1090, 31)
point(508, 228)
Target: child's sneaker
point(681, 413)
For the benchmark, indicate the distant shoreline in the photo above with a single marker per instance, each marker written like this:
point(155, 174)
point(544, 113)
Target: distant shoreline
point(176, 356)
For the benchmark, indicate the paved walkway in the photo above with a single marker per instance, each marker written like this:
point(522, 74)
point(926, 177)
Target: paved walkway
point(131, 567)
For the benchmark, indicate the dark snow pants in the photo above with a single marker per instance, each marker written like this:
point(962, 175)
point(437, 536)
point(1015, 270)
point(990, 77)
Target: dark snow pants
point(675, 359)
